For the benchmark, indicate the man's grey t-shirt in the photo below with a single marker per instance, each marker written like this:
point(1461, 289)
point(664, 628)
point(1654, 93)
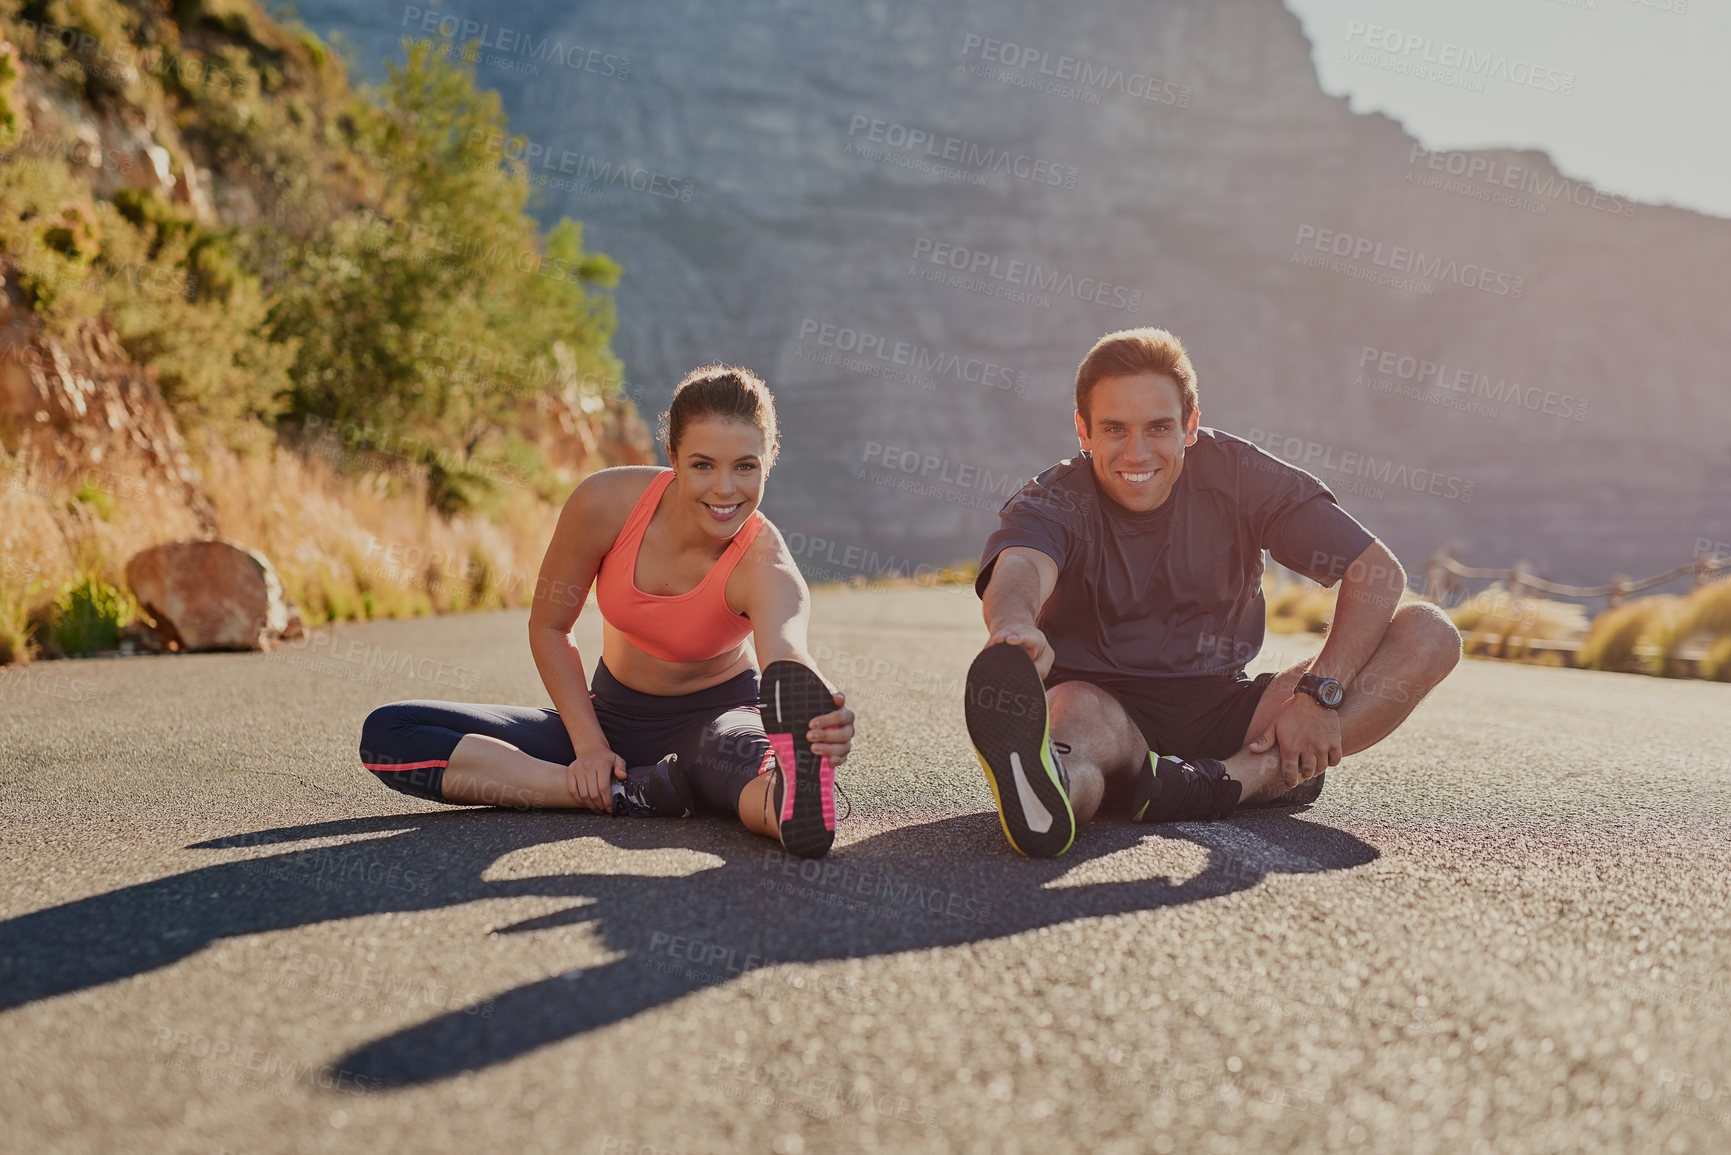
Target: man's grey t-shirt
point(1176, 591)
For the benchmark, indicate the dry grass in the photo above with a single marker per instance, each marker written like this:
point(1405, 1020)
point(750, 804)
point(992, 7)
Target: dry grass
point(1494, 623)
point(1717, 663)
point(1299, 608)
point(1667, 635)
point(371, 546)
point(1705, 623)
point(364, 547)
point(57, 531)
point(1616, 634)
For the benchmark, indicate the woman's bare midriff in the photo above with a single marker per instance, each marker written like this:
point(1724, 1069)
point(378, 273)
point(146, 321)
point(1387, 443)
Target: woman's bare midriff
point(650, 675)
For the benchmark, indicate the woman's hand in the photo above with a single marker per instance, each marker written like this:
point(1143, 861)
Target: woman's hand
point(831, 735)
point(589, 778)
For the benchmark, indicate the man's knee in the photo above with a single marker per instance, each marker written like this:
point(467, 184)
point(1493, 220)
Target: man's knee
point(1080, 702)
point(1425, 631)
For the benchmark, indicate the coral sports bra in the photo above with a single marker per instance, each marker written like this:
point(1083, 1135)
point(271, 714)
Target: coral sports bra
point(690, 627)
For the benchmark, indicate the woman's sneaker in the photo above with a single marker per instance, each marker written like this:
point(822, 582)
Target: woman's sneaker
point(658, 791)
point(1011, 733)
point(1178, 790)
point(792, 695)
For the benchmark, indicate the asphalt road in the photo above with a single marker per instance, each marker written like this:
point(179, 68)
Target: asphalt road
point(1504, 929)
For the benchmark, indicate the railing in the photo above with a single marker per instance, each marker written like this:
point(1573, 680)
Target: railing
point(1444, 575)
point(1444, 578)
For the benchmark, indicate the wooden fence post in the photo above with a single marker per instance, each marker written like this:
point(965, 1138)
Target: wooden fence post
point(1518, 580)
point(1436, 577)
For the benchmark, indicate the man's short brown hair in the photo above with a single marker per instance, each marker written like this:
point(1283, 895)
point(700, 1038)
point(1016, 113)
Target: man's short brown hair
point(1129, 352)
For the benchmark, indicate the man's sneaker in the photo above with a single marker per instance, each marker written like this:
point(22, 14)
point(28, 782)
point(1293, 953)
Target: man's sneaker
point(1177, 790)
point(792, 695)
point(1011, 733)
point(1303, 794)
point(654, 791)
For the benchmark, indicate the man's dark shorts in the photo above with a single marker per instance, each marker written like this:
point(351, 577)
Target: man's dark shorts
point(1201, 717)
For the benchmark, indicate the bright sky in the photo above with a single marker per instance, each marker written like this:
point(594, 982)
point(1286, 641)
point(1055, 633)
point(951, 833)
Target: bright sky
point(1648, 117)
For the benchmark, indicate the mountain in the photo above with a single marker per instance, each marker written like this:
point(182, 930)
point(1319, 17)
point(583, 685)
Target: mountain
point(1499, 359)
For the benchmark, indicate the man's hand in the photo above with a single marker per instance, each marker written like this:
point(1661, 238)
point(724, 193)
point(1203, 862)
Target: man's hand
point(589, 778)
point(831, 735)
point(1032, 641)
point(1308, 736)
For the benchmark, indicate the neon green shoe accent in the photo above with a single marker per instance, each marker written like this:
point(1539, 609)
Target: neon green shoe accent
point(1153, 758)
point(1051, 772)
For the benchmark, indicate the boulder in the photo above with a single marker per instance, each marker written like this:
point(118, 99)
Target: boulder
point(212, 595)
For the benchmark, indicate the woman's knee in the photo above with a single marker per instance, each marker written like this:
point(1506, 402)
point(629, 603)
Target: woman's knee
point(403, 752)
point(730, 753)
point(391, 726)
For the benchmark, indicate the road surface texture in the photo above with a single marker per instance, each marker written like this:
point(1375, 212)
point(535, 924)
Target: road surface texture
point(1504, 929)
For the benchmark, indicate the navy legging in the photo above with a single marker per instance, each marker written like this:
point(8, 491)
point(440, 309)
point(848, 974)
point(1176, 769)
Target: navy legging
point(717, 734)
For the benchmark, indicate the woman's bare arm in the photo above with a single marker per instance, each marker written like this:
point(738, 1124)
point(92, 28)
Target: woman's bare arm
point(588, 525)
point(778, 603)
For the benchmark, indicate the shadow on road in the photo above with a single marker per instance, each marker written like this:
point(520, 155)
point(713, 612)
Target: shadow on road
point(911, 888)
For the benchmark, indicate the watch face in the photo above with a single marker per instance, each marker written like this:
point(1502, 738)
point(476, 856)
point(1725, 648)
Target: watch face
point(1330, 692)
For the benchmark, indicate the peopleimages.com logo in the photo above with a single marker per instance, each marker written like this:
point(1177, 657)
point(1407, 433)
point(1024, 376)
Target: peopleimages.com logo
point(1073, 76)
point(907, 356)
point(976, 263)
point(1487, 178)
point(1416, 262)
point(1311, 455)
point(511, 42)
point(957, 151)
point(1472, 383)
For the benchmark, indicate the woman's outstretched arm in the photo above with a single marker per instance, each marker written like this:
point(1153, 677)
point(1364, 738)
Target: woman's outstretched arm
point(779, 605)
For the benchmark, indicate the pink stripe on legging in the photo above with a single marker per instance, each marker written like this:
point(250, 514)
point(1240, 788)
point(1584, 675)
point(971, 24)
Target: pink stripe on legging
point(405, 765)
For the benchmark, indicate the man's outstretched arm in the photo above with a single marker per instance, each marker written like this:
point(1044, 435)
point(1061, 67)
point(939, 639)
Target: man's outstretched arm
point(1022, 579)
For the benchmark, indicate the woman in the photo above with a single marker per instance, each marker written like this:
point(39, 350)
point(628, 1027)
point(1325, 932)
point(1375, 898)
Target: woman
point(685, 569)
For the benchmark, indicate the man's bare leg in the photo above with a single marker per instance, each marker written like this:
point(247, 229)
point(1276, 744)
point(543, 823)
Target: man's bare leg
point(1418, 651)
point(1104, 743)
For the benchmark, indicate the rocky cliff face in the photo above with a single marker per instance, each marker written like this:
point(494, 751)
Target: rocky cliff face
point(81, 417)
point(914, 220)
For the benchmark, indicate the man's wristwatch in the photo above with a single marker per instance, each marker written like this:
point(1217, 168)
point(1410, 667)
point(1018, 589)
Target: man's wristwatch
point(1326, 691)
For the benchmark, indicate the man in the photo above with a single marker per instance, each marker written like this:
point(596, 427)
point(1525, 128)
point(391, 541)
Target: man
point(1123, 595)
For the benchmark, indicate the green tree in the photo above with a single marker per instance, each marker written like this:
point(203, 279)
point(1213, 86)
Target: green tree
point(435, 315)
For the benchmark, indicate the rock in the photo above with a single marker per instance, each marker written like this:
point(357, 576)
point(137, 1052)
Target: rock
point(211, 595)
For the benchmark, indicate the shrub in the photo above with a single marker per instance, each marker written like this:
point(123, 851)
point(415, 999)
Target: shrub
point(1300, 608)
point(1707, 611)
point(1616, 634)
point(415, 318)
point(8, 85)
point(16, 598)
point(89, 614)
point(1496, 623)
point(1717, 663)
